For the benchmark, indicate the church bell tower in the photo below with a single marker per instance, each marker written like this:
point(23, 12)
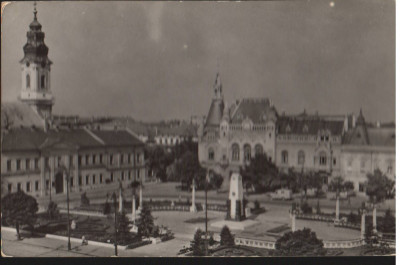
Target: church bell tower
point(35, 71)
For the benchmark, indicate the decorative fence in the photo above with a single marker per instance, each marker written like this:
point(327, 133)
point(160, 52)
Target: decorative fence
point(181, 208)
point(315, 217)
point(254, 243)
point(344, 243)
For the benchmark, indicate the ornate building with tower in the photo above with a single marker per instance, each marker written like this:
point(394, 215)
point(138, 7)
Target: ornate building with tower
point(232, 135)
point(34, 152)
point(35, 71)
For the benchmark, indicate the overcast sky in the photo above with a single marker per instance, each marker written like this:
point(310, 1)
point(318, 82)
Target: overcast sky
point(153, 60)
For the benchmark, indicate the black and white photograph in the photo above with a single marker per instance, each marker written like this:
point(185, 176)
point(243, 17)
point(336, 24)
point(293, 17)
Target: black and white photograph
point(198, 128)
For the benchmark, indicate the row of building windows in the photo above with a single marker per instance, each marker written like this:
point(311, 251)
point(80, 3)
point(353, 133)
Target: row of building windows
point(236, 152)
point(28, 163)
point(28, 187)
point(95, 179)
point(88, 159)
point(323, 138)
point(301, 158)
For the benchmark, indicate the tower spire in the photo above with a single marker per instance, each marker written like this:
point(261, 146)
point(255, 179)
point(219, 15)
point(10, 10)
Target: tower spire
point(34, 11)
point(218, 87)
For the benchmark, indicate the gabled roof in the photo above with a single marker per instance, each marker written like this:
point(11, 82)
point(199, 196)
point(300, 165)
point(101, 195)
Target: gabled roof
point(257, 110)
point(307, 125)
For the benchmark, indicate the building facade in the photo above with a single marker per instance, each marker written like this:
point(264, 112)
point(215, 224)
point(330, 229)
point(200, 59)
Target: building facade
point(365, 149)
point(32, 160)
point(39, 157)
point(231, 136)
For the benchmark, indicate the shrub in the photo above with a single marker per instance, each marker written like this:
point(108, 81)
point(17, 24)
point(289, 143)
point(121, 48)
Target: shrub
point(352, 218)
point(107, 208)
point(305, 208)
point(197, 244)
point(226, 237)
point(52, 211)
point(388, 222)
point(84, 200)
point(300, 243)
point(256, 205)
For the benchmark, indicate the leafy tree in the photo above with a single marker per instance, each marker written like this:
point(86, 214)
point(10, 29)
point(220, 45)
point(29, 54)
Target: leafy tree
point(188, 167)
point(216, 180)
point(388, 222)
point(260, 172)
point(336, 185)
point(198, 244)
point(305, 208)
point(226, 237)
point(52, 211)
point(348, 185)
point(84, 200)
point(158, 160)
point(19, 209)
point(123, 226)
point(353, 218)
point(146, 222)
point(379, 186)
point(300, 243)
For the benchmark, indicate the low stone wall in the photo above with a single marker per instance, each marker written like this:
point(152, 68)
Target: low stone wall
point(86, 213)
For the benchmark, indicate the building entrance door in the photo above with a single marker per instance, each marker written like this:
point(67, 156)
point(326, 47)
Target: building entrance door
point(59, 183)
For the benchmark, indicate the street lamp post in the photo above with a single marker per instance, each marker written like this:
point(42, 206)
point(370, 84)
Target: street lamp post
point(114, 196)
point(205, 189)
point(66, 171)
point(69, 235)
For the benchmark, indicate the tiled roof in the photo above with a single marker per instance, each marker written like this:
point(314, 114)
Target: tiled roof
point(257, 110)
point(117, 137)
point(18, 114)
point(376, 137)
point(215, 113)
point(307, 125)
point(35, 139)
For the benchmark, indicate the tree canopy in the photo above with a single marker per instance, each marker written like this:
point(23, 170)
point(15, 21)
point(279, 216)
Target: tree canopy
point(19, 209)
point(379, 187)
point(300, 243)
point(260, 172)
point(146, 222)
point(227, 238)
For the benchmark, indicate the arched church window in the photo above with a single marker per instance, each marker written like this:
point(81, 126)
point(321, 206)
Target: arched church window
point(322, 158)
point(285, 157)
point(235, 152)
point(28, 81)
point(210, 154)
point(42, 81)
point(247, 152)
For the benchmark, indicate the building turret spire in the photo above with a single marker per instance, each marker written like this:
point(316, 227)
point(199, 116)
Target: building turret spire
point(218, 87)
point(34, 11)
